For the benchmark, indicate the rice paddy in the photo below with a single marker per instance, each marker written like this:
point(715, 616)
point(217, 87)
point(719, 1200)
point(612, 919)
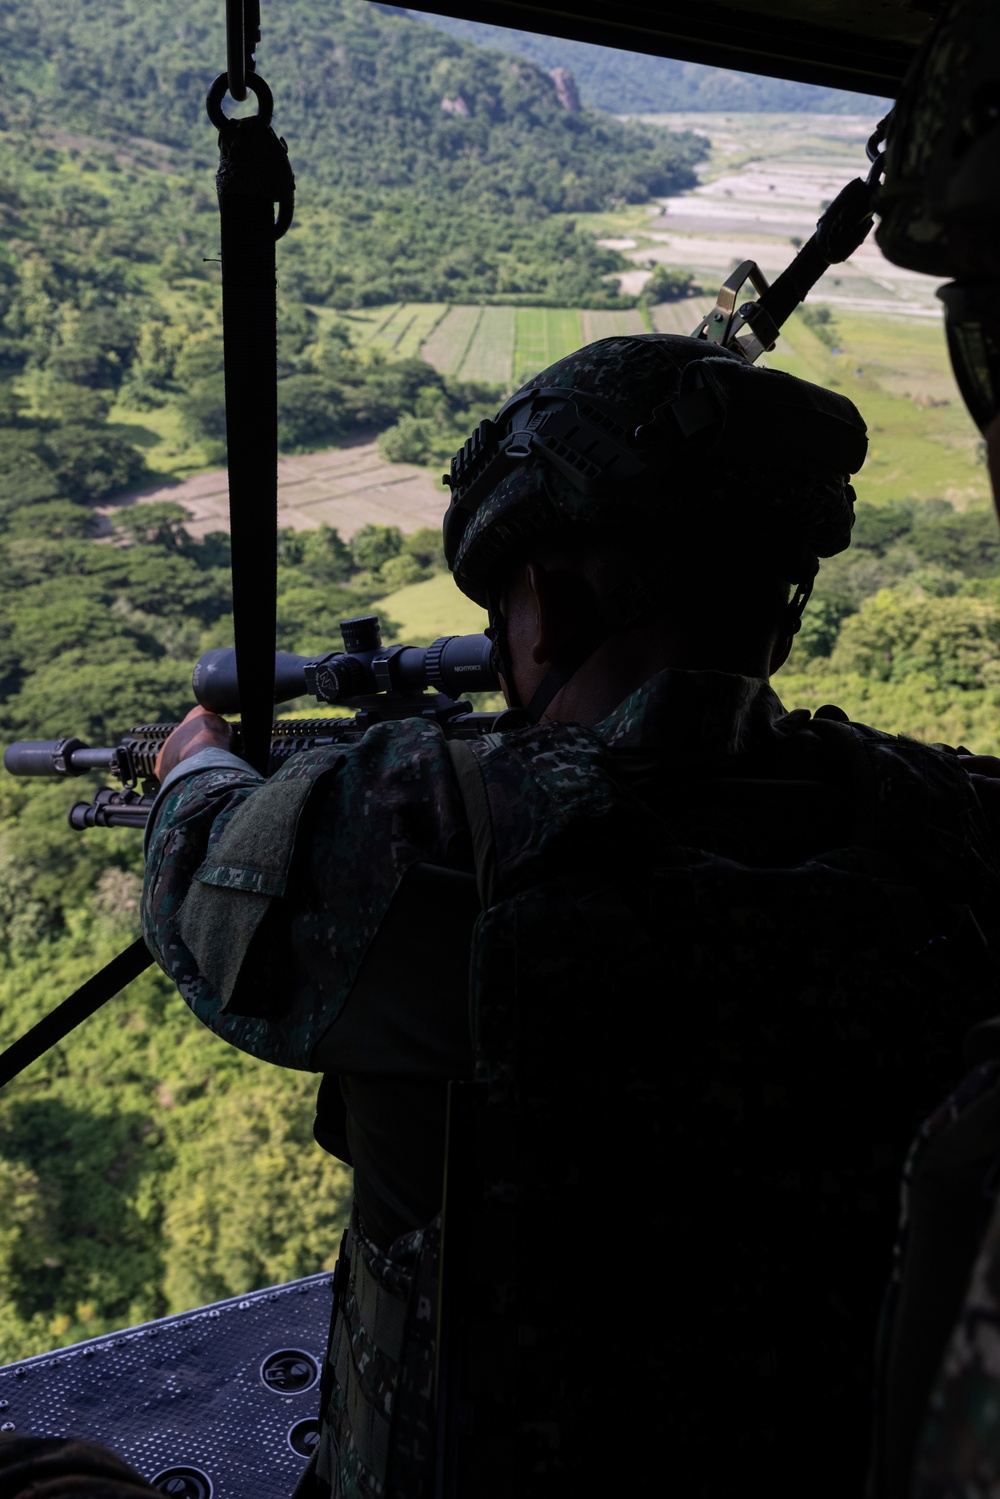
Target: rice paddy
point(501, 345)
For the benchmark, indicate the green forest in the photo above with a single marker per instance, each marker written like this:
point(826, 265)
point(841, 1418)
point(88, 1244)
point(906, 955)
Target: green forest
point(146, 1167)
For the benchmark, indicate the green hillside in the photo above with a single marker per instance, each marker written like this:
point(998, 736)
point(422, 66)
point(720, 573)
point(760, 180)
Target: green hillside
point(635, 83)
point(428, 167)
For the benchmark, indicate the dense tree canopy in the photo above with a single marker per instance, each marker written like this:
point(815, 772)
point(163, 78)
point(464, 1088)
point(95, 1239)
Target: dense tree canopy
point(402, 137)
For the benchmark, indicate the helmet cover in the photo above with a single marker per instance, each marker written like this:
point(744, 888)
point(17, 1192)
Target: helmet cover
point(630, 433)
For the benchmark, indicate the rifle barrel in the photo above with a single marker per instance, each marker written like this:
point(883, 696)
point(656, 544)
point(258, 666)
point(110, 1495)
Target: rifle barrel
point(55, 757)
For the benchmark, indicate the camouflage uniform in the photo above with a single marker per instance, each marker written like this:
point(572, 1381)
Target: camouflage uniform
point(271, 906)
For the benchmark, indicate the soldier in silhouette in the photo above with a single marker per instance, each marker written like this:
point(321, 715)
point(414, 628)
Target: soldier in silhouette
point(746, 941)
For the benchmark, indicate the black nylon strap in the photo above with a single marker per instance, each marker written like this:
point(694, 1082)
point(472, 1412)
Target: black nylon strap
point(55, 1026)
point(842, 229)
point(247, 193)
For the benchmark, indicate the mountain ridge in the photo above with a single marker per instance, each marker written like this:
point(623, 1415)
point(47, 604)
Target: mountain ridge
point(637, 83)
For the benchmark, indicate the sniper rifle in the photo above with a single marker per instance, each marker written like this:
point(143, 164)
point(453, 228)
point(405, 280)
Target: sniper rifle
point(376, 682)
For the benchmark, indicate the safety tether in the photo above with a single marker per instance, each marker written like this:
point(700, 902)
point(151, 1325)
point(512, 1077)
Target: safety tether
point(254, 174)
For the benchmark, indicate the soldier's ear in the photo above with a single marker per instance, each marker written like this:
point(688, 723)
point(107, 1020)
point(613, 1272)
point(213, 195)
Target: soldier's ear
point(539, 598)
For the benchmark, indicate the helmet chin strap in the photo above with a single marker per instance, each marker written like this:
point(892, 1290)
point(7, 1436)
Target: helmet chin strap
point(555, 678)
point(796, 606)
point(562, 671)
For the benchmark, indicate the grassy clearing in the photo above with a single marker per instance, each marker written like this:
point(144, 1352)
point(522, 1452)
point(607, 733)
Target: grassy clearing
point(168, 449)
point(894, 370)
point(618, 223)
point(489, 355)
point(424, 611)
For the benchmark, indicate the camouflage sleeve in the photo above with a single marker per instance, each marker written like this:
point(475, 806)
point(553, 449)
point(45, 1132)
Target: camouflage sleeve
point(263, 898)
point(190, 823)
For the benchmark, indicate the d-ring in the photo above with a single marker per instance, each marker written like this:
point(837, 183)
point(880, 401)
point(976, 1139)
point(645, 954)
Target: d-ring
point(219, 89)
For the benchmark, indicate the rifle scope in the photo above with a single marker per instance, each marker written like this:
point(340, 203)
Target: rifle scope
point(453, 664)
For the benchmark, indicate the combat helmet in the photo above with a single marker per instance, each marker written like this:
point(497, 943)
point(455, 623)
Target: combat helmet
point(939, 204)
point(658, 430)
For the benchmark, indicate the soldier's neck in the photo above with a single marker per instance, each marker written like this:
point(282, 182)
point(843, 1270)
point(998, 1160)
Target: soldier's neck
point(622, 663)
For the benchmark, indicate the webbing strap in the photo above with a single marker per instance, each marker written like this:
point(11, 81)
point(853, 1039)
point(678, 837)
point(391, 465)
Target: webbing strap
point(250, 350)
point(382, 1314)
point(369, 1428)
point(475, 798)
point(253, 175)
point(53, 1027)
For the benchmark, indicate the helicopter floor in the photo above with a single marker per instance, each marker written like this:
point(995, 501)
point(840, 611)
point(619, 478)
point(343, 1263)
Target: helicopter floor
point(216, 1403)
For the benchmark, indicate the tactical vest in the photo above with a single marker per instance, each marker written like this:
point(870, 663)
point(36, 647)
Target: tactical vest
point(670, 1193)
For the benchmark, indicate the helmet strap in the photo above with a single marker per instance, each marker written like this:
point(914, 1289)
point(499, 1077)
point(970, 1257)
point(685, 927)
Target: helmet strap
point(796, 606)
point(501, 648)
point(555, 678)
point(558, 675)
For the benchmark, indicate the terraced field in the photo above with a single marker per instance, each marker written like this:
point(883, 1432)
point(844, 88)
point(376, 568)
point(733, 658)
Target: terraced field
point(399, 329)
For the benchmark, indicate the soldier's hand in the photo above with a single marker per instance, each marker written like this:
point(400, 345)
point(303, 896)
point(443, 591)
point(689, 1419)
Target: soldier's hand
point(199, 730)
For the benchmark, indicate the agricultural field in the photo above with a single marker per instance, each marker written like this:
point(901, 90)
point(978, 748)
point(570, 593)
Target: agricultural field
point(764, 184)
point(506, 345)
point(398, 329)
point(923, 443)
point(869, 330)
point(501, 345)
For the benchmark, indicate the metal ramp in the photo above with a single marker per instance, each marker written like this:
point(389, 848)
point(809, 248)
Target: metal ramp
point(218, 1403)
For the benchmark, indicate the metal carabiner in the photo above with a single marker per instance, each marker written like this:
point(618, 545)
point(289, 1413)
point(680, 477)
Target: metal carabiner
point(875, 150)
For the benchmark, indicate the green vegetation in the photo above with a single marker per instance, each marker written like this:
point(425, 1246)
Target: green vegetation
point(923, 442)
point(145, 1166)
point(402, 137)
point(425, 610)
point(444, 251)
point(668, 284)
